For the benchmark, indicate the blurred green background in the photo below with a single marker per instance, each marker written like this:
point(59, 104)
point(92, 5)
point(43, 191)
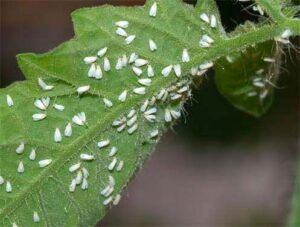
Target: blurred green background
point(218, 167)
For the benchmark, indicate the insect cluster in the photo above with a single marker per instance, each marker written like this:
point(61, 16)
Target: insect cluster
point(164, 106)
point(260, 83)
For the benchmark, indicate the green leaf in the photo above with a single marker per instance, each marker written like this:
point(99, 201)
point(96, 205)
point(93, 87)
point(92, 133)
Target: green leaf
point(272, 8)
point(247, 81)
point(291, 8)
point(236, 74)
point(46, 190)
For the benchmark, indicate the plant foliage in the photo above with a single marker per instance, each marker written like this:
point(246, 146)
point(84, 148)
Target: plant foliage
point(48, 192)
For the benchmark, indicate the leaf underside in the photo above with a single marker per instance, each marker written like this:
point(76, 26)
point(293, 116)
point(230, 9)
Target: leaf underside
point(244, 78)
point(46, 190)
point(247, 81)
